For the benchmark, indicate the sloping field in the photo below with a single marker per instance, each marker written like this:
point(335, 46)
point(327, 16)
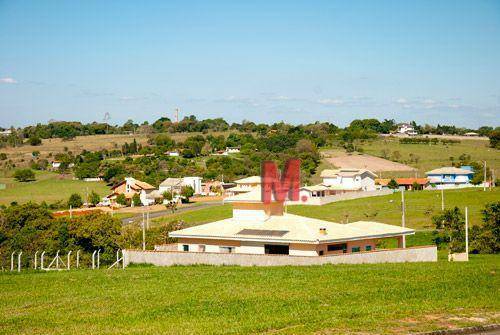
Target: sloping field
point(89, 143)
point(363, 161)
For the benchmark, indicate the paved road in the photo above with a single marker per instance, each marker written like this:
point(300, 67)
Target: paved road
point(188, 208)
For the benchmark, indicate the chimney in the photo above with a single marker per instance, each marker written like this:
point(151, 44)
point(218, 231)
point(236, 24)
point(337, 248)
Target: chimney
point(322, 231)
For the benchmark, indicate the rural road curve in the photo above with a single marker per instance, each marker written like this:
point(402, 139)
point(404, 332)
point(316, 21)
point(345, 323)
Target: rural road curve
point(157, 214)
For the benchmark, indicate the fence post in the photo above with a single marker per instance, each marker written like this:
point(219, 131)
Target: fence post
point(69, 259)
point(12, 261)
point(19, 261)
point(99, 259)
point(78, 259)
point(57, 260)
point(41, 260)
point(36, 256)
point(93, 259)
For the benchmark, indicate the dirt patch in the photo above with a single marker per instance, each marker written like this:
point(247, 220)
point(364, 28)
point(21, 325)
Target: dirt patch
point(363, 161)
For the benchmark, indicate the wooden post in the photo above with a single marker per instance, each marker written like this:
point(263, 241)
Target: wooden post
point(403, 217)
point(467, 232)
point(484, 181)
point(41, 260)
point(78, 259)
point(36, 259)
point(69, 259)
point(442, 200)
point(12, 261)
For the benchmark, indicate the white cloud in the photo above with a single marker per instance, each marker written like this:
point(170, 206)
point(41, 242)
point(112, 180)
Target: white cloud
point(8, 80)
point(280, 98)
point(330, 102)
point(401, 101)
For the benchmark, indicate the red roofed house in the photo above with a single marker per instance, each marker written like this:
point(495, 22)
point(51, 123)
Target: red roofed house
point(407, 183)
point(129, 187)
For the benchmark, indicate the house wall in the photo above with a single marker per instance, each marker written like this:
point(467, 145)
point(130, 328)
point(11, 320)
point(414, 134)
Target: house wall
point(318, 201)
point(194, 182)
point(169, 258)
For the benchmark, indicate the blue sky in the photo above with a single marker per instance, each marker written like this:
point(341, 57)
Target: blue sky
point(265, 61)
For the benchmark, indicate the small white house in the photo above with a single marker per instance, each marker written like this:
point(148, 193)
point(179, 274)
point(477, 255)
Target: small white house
point(172, 153)
point(349, 178)
point(245, 185)
point(232, 150)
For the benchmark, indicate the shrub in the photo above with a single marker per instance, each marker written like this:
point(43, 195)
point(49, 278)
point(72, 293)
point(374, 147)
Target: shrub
point(94, 198)
point(24, 175)
point(121, 199)
point(3, 156)
point(136, 199)
point(34, 140)
point(393, 184)
point(187, 192)
point(75, 201)
point(450, 229)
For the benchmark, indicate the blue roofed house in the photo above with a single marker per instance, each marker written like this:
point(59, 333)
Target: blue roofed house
point(450, 177)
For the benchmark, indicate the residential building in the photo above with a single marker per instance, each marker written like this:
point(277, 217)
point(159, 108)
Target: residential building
point(175, 185)
point(407, 129)
point(450, 177)
point(259, 228)
point(130, 187)
point(245, 185)
point(349, 179)
point(232, 150)
point(404, 183)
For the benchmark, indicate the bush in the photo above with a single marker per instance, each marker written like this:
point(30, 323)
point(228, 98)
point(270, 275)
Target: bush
point(121, 199)
point(187, 192)
point(94, 198)
point(24, 175)
point(3, 156)
point(393, 184)
point(136, 199)
point(450, 229)
point(34, 140)
point(75, 201)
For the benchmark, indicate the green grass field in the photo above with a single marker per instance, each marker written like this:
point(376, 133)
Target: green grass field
point(420, 207)
point(47, 187)
point(434, 156)
point(367, 299)
point(198, 216)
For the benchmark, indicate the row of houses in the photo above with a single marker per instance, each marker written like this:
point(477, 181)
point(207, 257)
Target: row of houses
point(334, 182)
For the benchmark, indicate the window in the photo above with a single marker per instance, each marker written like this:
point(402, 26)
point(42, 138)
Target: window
point(338, 247)
point(355, 249)
point(276, 249)
point(368, 248)
point(185, 247)
point(321, 252)
point(201, 248)
point(227, 250)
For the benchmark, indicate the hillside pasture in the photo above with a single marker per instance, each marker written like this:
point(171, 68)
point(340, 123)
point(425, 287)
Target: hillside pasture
point(425, 157)
point(420, 207)
point(49, 187)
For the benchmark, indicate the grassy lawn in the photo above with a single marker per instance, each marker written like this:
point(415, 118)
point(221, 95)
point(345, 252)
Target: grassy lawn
point(198, 216)
point(372, 299)
point(420, 207)
point(48, 187)
point(434, 156)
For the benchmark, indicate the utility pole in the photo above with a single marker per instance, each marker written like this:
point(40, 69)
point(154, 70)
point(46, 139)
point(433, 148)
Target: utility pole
point(442, 200)
point(484, 182)
point(467, 233)
point(403, 218)
point(143, 233)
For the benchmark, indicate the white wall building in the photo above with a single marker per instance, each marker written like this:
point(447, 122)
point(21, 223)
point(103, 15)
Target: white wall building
point(349, 179)
point(407, 129)
point(258, 228)
point(175, 185)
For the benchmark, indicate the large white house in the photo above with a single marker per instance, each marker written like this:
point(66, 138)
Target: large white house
point(245, 185)
point(259, 228)
point(349, 179)
point(175, 185)
point(407, 129)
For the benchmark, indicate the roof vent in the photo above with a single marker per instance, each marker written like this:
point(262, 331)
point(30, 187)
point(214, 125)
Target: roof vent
point(322, 231)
